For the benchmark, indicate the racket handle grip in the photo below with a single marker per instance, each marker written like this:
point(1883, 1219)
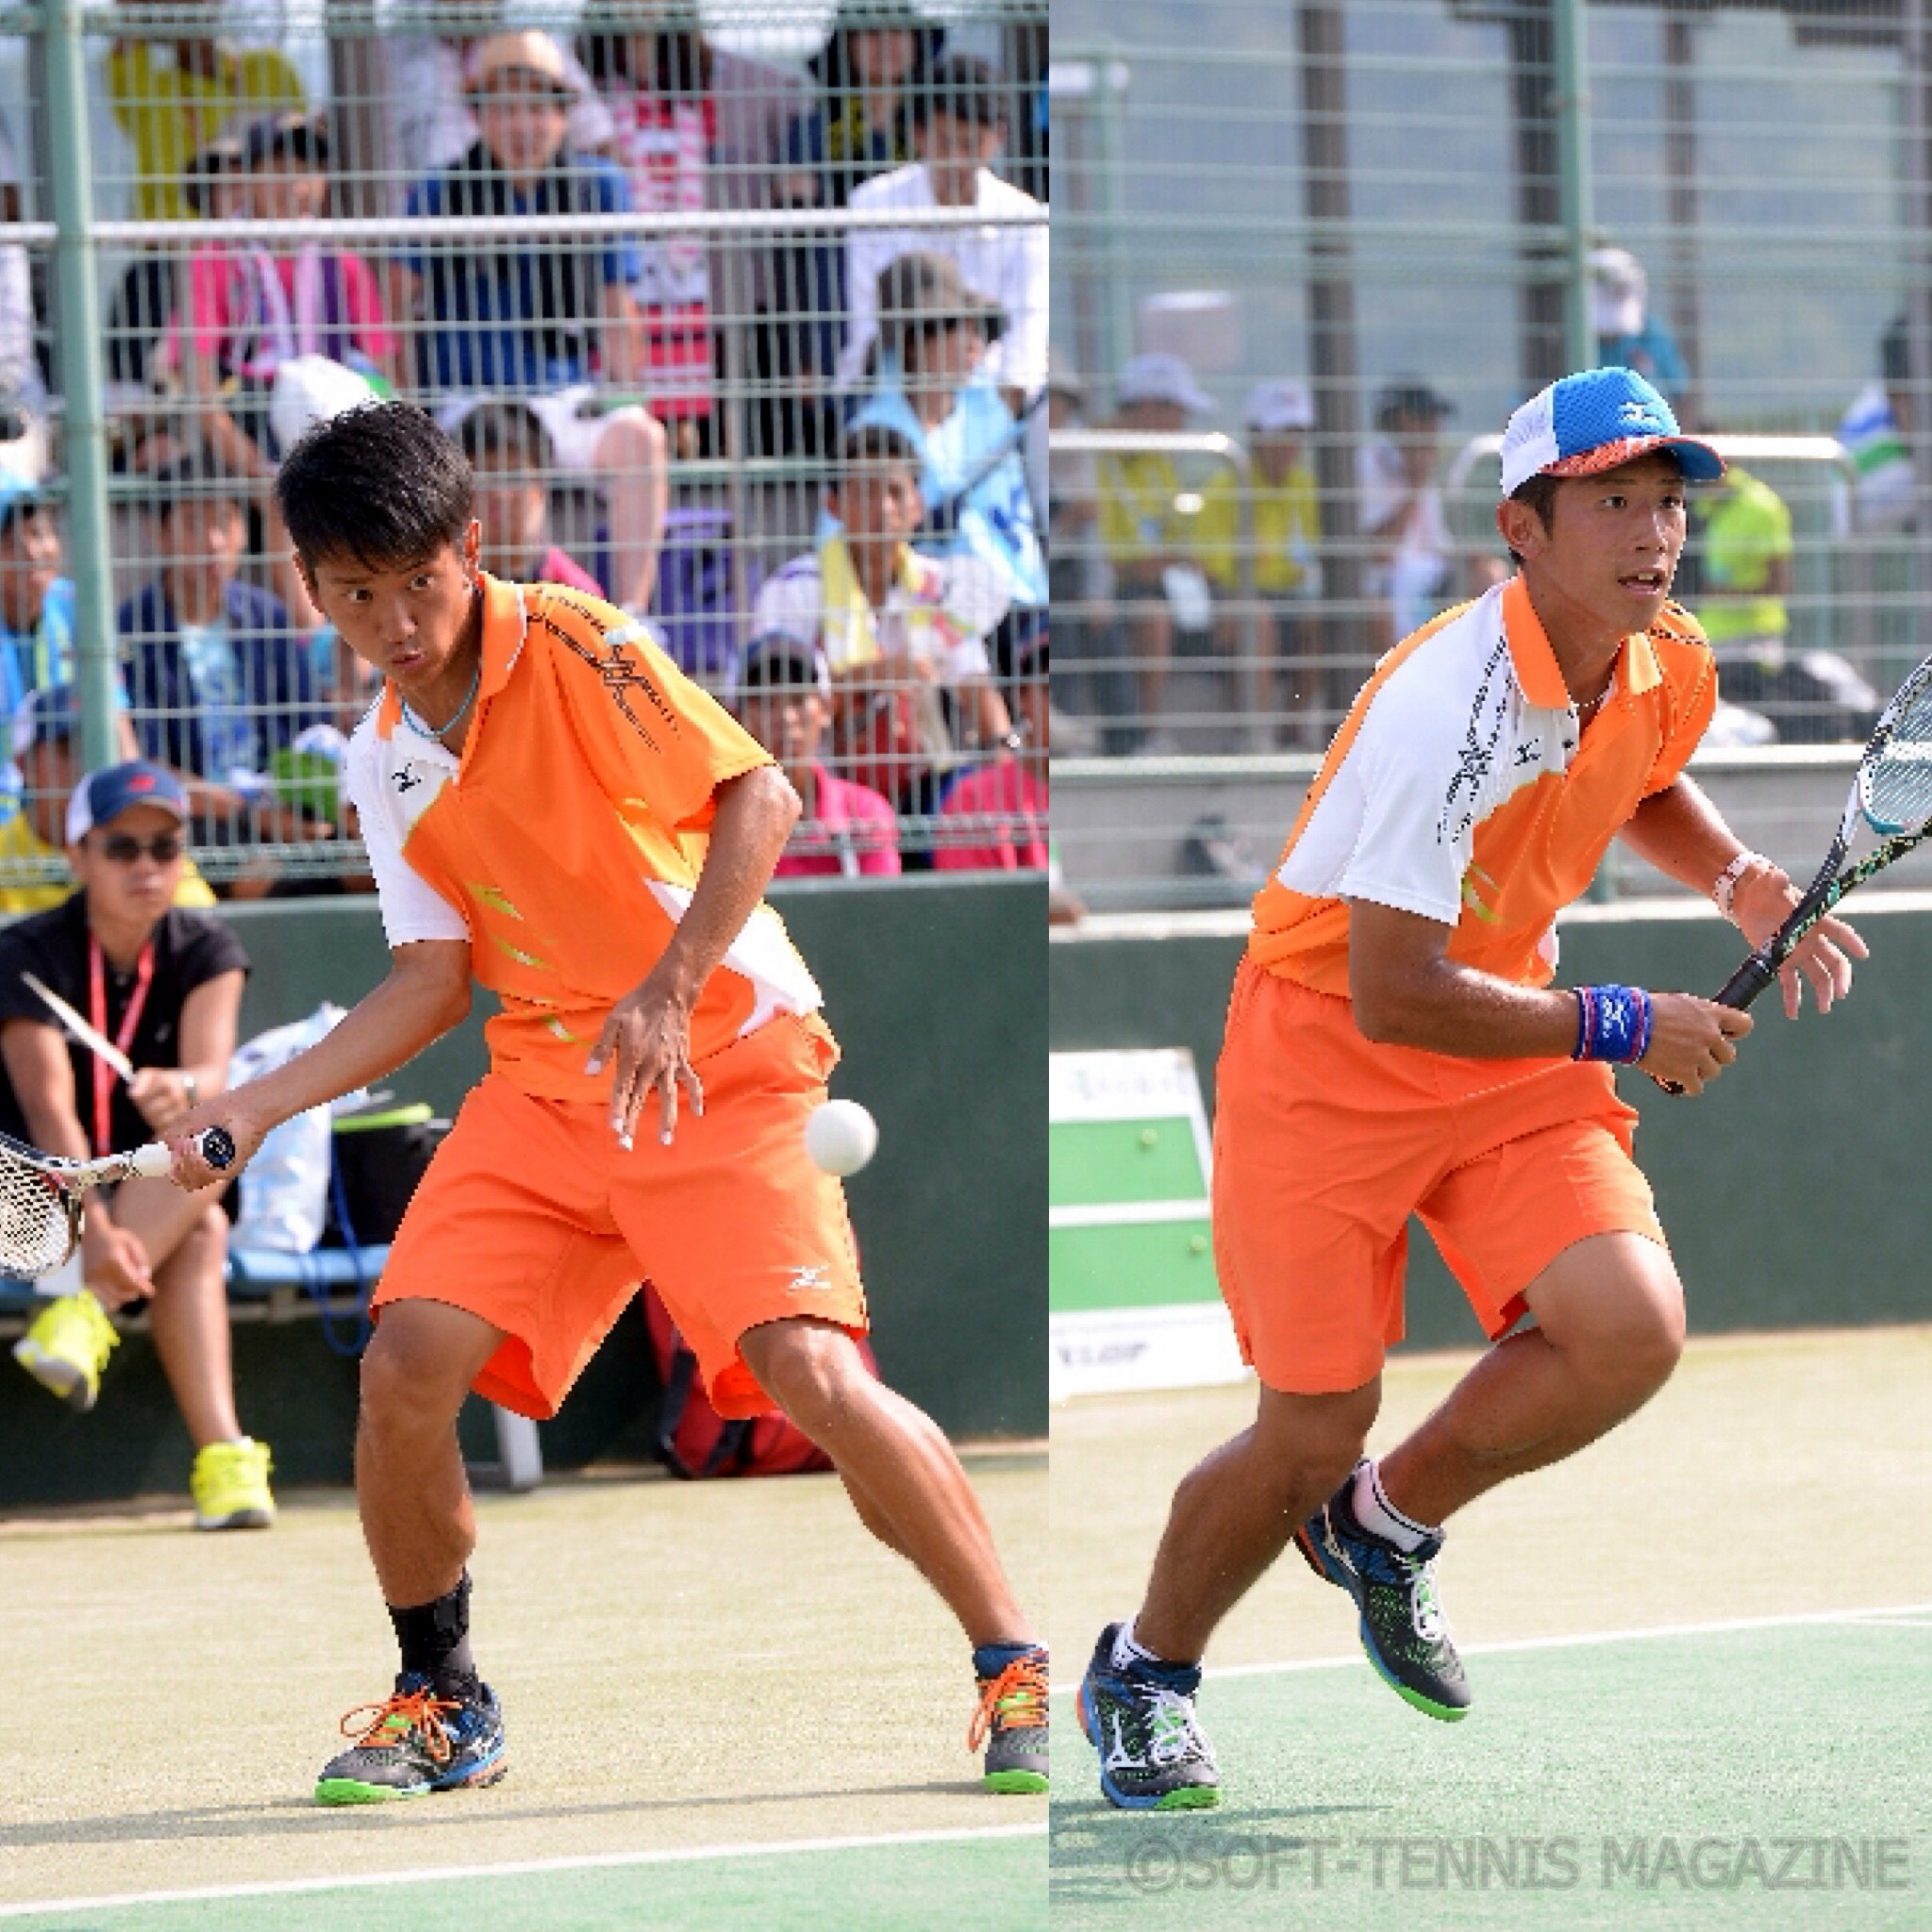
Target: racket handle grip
point(1746, 983)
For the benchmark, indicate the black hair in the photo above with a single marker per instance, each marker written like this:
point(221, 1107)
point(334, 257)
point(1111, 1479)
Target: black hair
point(682, 56)
point(506, 428)
point(16, 510)
point(966, 89)
point(380, 484)
point(195, 476)
point(876, 442)
point(1539, 494)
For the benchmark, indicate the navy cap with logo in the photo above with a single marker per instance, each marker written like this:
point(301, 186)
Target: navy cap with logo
point(101, 796)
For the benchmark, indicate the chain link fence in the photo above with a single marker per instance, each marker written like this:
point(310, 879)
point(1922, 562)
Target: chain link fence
point(1343, 242)
point(739, 312)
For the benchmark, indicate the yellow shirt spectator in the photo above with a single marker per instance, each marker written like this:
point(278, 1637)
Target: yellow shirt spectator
point(1288, 528)
point(1138, 518)
point(171, 112)
point(21, 890)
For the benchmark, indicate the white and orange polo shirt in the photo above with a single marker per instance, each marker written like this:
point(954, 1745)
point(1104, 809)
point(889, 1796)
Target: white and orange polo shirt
point(566, 840)
point(1462, 788)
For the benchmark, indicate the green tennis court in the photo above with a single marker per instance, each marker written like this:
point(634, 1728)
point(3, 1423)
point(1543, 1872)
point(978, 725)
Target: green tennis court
point(1699, 1654)
point(727, 1706)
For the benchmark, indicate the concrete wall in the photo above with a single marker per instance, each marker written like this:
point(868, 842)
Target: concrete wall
point(1793, 1192)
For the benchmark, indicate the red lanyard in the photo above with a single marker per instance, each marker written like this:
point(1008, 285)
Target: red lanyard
point(98, 1012)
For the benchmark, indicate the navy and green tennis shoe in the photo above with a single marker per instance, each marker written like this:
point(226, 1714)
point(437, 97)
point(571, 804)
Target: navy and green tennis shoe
point(1402, 1627)
point(415, 1742)
point(1154, 1755)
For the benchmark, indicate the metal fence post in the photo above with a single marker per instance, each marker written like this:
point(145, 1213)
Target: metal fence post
point(81, 379)
point(1573, 157)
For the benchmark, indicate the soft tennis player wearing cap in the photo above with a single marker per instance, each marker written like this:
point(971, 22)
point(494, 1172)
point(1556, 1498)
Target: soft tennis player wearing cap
point(1394, 1046)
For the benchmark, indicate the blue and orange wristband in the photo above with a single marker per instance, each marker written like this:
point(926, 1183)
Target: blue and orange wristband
point(1612, 1023)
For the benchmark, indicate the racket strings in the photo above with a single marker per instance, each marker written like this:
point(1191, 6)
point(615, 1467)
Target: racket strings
point(1897, 783)
point(36, 1229)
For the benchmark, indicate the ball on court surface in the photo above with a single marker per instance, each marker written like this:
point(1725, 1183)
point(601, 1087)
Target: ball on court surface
point(840, 1136)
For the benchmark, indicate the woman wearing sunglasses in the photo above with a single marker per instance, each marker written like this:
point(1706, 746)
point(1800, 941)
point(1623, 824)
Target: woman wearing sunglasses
point(164, 984)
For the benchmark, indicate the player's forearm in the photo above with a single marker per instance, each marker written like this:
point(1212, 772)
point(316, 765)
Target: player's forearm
point(406, 1012)
point(1450, 1008)
point(1681, 832)
point(755, 814)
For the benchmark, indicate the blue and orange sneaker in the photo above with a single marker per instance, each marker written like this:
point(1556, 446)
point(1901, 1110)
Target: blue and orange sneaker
point(1402, 1627)
point(1154, 1755)
point(415, 1742)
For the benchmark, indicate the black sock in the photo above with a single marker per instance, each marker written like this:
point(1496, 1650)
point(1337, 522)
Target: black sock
point(434, 1639)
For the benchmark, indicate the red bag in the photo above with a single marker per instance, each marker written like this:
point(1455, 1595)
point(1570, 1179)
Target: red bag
point(696, 1442)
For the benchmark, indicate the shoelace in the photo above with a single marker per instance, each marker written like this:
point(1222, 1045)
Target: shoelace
point(1173, 1736)
point(1013, 1701)
point(398, 1715)
point(1426, 1607)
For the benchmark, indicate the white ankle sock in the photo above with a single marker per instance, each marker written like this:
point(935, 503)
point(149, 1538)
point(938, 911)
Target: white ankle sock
point(1380, 1517)
point(1127, 1650)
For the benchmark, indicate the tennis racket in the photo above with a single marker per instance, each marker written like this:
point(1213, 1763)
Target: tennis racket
point(1892, 793)
point(42, 1195)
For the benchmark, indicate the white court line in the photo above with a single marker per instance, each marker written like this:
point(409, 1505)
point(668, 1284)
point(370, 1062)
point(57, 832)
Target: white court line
point(521, 1868)
point(1887, 1616)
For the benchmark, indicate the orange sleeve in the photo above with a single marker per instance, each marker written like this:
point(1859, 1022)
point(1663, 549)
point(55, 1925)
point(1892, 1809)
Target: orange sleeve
point(649, 732)
point(1689, 674)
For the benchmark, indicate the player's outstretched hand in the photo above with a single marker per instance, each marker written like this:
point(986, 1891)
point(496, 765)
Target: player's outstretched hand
point(648, 1035)
point(1824, 956)
point(1691, 1041)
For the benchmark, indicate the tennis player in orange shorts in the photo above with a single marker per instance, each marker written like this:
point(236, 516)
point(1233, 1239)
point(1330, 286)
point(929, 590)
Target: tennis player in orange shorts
point(551, 811)
point(1394, 1046)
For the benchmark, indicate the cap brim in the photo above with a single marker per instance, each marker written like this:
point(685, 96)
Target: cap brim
point(1699, 463)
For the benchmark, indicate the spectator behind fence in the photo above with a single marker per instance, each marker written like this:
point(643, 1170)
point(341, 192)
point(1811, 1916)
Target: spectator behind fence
point(1285, 531)
point(935, 389)
point(1628, 335)
point(906, 635)
point(144, 344)
point(218, 681)
point(1741, 529)
point(1876, 433)
point(694, 127)
point(509, 450)
point(1401, 512)
point(166, 985)
point(431, 116)
point(785, 702)
point(22, 388)
point(251, 308)
point(1002, 808)
point(173, 96)
point(36, 598)
point(875, 59)
point(47, 765)
point(1147, 542)
point(522, 315)
point(958, 126)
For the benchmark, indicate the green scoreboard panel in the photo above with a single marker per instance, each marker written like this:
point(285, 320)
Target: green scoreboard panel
point(1132, 1297)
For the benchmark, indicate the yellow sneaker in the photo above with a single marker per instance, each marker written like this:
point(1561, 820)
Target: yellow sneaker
point(229, 1485)
point(67, 1347)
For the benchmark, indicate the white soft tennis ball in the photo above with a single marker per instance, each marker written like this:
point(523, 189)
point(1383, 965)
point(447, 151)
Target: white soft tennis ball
point(840, 1136)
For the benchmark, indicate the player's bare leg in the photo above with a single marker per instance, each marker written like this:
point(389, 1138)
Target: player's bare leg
point(443, 1727)
point(1235, 1511)
point(417, 1515)
point(1610, 1313)
point(901, 1471)
point(908, 1487)
point(1610, 1326)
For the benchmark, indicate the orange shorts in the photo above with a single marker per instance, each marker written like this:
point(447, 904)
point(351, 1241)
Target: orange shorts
point(532, 1217)
point(1325, 1144)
